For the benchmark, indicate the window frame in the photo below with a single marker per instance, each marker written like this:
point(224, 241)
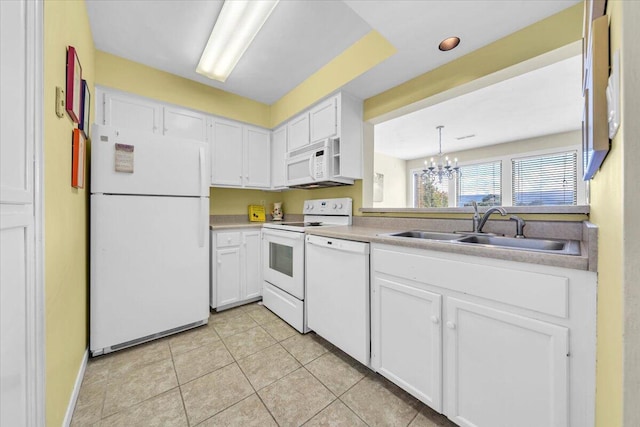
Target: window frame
point(506, 169)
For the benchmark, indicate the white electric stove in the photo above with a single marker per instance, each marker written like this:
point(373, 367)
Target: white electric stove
point(283, 257)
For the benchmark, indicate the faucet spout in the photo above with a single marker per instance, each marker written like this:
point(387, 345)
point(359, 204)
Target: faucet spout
point(476, 216)
point(487, 214)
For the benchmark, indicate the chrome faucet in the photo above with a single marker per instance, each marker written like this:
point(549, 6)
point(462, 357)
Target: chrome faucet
point(476, 216)
point(486, 216)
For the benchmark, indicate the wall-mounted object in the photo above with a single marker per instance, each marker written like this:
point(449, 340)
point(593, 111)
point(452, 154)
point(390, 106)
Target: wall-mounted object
point(78, 159)
point(74, 85)
point(83, 124)
point(60, 102)
point(595, 128)
point(613, 96)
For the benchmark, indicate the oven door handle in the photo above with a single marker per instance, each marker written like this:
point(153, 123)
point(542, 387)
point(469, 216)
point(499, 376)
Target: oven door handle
point(291, 235)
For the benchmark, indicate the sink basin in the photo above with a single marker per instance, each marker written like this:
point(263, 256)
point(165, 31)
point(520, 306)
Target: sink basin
point(568, 247)
point(429, 235)
point(563, 247)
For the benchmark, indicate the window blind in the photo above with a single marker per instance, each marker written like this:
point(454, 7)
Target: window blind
point(545, 180)
point(481, 182)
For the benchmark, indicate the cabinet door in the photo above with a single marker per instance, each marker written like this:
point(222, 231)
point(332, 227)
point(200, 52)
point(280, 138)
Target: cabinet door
point(278, 153)
point(226, 152)
point(323, 120)
point(406, 339)
point(504, 369)
point(182, 123)
point(256, 162)
point(228, 276)
point(252, 265)
point(129, 112)
point(298, 130)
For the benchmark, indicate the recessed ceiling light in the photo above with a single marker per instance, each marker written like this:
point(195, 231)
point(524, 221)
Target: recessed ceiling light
point(449, 43)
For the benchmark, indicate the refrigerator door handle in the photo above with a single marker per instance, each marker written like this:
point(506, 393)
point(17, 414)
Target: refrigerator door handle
point(202, 173)
point(202, 221)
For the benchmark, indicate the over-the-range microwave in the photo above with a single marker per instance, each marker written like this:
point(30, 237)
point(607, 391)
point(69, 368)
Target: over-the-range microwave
point(315, 166)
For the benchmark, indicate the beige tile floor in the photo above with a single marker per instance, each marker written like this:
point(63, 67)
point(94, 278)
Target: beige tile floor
point(245, 368)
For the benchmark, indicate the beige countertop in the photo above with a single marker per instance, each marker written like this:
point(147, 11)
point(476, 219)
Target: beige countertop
point(584, 261)
point(371, 234)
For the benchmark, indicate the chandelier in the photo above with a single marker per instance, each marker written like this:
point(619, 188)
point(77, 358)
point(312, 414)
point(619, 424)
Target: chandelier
point(443, 168)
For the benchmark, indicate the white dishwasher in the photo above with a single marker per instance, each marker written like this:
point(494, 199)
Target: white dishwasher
point(337, 281)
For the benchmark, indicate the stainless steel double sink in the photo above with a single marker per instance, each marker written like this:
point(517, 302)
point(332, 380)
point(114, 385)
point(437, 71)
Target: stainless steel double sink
point(562, 247)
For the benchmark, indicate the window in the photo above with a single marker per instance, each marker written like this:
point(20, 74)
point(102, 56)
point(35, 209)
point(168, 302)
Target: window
point(545, 180)
point(480, 182)
point(428, 192)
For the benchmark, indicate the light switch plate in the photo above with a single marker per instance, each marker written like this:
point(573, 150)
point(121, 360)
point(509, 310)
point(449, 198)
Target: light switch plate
point(60, 106)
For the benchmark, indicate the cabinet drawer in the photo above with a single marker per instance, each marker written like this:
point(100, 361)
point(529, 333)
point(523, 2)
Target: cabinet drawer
point(544, 293)
point(224, 240)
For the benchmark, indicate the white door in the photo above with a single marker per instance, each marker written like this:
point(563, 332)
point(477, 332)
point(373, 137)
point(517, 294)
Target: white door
point(406, 338)
point(20, 291)
point(226, 152)
point(278, 153)
point(337, 286)
point(324, 123)
point(504, 369)
point(228, 275)
point(162, 165)
point(183, 123)
point(298, 130)
point(257, 157)
point(129, 112)
point(252, 263)
point(149, 266)
point(283, 260)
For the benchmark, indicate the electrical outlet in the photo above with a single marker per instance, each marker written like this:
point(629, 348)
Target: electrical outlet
point(262, 202)
point(60, 103)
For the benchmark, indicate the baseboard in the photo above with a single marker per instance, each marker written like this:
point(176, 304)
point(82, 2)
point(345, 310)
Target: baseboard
point(76, 390)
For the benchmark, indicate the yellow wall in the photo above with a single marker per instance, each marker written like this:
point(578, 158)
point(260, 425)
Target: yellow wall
point(66, 214)
point(119, 73)
point(546, 35)
point(229, 201)
point(607, 212)
point(363, 55)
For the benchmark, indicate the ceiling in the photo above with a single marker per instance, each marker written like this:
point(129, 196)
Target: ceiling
point(301, 36)
point(544, 101)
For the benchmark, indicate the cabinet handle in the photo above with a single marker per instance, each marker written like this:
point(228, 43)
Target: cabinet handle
point(451, 325)
point(229, 240)
point(435, 319)
point(219, 261)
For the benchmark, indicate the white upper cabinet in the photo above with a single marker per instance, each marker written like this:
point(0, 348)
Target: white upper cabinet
point(338, 118)
point(256, 157)
point(324, 120)
point(278, 154)
point(183, 123)
point(130, 112)
point(240, 154)
point(298, 130)
point(226, 152)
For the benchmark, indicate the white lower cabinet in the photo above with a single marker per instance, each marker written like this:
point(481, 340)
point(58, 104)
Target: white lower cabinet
point(504, 369)
point(487, 342)
point(236, 273)
point(406, 338)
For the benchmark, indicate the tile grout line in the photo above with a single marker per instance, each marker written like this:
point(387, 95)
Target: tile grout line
point(347, 405)
point(175, 371)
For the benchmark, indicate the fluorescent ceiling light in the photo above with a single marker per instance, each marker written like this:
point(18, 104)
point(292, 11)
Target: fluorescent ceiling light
point(238, 23)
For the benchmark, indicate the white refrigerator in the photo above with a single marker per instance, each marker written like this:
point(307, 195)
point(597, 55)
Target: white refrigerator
point(149, 248)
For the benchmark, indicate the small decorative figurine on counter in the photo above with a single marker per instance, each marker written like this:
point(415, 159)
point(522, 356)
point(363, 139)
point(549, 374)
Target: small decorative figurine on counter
point(277, 213)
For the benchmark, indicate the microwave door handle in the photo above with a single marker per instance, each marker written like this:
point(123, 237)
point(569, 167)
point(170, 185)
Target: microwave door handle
point(311, 174)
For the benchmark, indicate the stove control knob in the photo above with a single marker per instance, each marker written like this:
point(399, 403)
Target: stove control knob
point(335, 206)
point(339, 205)
point(309, 207)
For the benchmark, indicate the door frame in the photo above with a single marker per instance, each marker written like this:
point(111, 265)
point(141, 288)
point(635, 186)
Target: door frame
point(37, 331)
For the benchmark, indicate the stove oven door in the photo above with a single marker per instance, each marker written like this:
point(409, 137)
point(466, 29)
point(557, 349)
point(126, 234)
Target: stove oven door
point(283, 260)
